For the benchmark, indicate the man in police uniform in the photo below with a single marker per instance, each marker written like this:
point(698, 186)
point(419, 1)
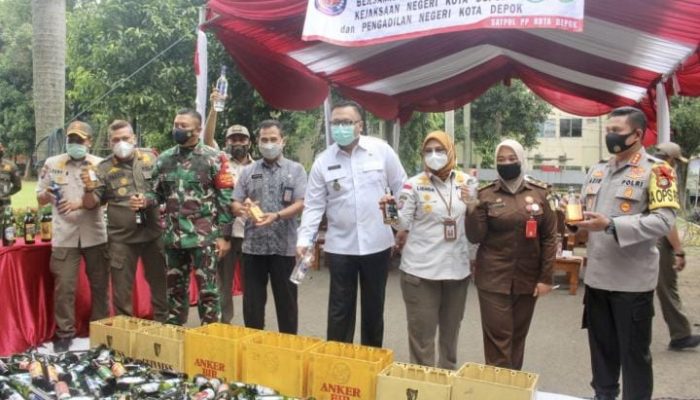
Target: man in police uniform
point(631, 202)
point(133, 232)
point(193, 181)
point(77, 232)
point(10, 180)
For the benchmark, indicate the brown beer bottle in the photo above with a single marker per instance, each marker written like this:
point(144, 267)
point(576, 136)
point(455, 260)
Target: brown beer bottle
point(29, 226)
point(46, 226)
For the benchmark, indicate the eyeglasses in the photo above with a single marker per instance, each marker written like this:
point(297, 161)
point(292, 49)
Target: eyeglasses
point(343, 122)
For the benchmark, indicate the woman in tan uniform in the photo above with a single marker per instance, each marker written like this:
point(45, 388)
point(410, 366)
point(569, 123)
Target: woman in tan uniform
point(516, 229)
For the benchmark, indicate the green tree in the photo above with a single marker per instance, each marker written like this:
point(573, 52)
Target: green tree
point(506, 112)
point(16, 103)
point(685, 124)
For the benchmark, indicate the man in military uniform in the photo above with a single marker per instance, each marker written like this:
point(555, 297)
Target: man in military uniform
point(10, 180)
point(77, 232)
point(133, 232)
point(193, 181)
point(631, 202)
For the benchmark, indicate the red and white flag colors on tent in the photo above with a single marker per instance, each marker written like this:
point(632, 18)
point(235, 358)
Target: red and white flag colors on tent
point(364, 22)
point(624, 50)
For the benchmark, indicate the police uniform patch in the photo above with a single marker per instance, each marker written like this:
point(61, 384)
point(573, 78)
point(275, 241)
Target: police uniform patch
point(427, 208)
point(625, 207)
point(636, 172)
point(635, 159)
point(662, 188)
point(121, 191)
point(423, 180)
point(628, 192)
point(597, 174)
point(123, 181)
point(426, 197)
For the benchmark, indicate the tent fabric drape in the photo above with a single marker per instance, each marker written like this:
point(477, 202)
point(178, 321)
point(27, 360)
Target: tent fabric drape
point(626, 48)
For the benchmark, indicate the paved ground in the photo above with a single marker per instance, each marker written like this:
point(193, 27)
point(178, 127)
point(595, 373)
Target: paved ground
point(557, 348)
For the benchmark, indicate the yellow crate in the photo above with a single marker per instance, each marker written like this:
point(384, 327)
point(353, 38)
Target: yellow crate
point(161, 347)
point(346, 371)
point(117, 332)
point(214, 350)
point(484, 382)
point(277, 360)
point(410, 381)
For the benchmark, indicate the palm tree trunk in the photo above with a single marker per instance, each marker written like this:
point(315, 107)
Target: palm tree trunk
point(49, 67)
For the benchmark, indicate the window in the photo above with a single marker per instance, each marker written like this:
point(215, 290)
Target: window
point(548, 129)
point(570, 127)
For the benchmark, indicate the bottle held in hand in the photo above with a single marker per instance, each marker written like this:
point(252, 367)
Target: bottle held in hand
point(390, 212)
point(222, 88)
point(574, 208)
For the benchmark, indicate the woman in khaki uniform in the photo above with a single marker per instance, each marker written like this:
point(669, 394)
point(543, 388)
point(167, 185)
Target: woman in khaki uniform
point(516, 229)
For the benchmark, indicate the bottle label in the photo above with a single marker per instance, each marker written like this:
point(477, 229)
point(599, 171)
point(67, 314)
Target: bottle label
point(10, 233)
point(29, 232)
point(46, 230)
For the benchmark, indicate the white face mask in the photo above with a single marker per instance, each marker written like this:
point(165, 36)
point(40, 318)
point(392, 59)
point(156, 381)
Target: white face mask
point(435, 161)
point(271, 151)
point(123, 149)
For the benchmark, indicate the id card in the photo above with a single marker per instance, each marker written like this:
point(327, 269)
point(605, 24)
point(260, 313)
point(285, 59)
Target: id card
point(450, 227)
point(531, 229)
point(288, 195)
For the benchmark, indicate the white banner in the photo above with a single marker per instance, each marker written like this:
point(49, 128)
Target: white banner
point(363, 22)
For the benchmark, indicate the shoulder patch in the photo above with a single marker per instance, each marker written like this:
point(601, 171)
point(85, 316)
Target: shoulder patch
point(536, 182)
point(663, 192)
point(488, 185)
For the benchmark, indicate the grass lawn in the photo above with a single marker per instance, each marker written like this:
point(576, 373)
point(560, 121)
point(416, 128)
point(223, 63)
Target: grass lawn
point(25, 197)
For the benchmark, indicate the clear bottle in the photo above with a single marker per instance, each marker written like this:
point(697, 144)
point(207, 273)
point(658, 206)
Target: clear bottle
point(574, 208)
point(8, 228)
point(222, 87)
point(390, 212)
point(302, 268)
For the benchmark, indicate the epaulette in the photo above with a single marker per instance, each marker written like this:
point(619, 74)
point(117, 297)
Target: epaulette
point(488, 185)
point(536, 182)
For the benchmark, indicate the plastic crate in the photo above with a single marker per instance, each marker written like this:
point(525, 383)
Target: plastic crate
point(484, 382)
point(278, 360)
point(118, 332)
point(346, 371)
point(215, 350)
point(414, 382)
point(162, 347)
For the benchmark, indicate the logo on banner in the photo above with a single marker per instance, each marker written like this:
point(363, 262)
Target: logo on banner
point(331, 7)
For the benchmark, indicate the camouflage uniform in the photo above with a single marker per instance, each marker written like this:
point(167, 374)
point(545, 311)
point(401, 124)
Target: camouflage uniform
point(118, 181)
point(195, 185)
point(10, 182)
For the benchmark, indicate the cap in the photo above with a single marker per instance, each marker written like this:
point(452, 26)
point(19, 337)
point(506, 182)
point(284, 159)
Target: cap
point(671, 150)
point(237, 130)
point(79, 128)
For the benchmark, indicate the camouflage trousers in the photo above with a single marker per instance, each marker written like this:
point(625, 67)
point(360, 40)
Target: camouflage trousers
point(203, 261)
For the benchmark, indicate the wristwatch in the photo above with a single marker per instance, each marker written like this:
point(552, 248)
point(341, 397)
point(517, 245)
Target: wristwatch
point(610, 229)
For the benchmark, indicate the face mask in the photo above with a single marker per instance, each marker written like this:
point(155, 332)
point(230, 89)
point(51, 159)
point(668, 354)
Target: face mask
point(343, 134)
point(181, 136)
point(238, 151)
point(508, 171)
point(270, 151)
point(76, 151)
point(616, 142)
point(435, 161)
point(123, 149)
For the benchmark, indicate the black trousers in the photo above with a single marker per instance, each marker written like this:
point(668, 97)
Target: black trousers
point(256, 271)
point(619, 335)
point(372, 271)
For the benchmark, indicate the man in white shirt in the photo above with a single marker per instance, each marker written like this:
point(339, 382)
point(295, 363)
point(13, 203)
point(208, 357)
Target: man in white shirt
point(346, 182)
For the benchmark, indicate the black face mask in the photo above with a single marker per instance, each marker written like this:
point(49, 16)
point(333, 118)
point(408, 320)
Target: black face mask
point(181, 136)
point(238, 151)
point(508, 171)
point(616, 142)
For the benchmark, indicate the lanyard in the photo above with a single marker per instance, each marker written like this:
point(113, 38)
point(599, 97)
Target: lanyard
point(448, 206)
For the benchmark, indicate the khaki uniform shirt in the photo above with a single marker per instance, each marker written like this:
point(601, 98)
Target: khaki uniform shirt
point(640, 197)
point(118, 181)
point(236, 169)
point(10, 181)
point(507, 261)
point(423, 208)
point(79, 228)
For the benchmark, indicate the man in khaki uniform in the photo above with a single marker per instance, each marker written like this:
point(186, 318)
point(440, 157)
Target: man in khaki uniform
point(76, 232)
point(132, 233)
point(10, 180)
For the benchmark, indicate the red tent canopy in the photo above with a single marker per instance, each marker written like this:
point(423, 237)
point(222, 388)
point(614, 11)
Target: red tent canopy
point(626, 48)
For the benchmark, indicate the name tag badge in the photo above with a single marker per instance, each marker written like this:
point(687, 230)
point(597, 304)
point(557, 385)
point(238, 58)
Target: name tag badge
point(288, 195)
point(531, 229)
point(450, 228)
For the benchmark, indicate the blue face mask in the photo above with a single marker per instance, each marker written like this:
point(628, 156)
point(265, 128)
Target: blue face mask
point(76, 151)
point(343, 134)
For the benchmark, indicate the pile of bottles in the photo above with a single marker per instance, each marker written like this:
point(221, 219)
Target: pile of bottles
point(31, 227)
point(102, 374)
